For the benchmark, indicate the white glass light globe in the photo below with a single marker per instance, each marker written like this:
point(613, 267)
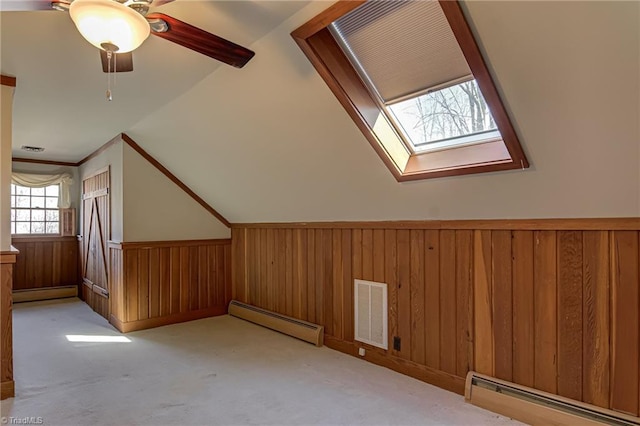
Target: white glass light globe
point(104, 22)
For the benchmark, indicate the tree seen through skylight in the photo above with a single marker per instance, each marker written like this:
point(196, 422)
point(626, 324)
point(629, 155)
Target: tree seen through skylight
point(451, 112)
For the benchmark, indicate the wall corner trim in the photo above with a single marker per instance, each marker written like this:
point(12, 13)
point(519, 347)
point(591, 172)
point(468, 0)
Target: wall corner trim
point(98, 151)
point(39, 161)
point(560, 224)
point(174, 179)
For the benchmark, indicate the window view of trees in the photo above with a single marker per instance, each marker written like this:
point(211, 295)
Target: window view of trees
point(452, 112)
point(35, 210)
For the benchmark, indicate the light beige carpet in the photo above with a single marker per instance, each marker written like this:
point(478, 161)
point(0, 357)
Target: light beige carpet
point(214, 371)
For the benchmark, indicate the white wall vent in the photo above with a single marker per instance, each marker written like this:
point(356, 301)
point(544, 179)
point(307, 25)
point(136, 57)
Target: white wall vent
point(370, 300)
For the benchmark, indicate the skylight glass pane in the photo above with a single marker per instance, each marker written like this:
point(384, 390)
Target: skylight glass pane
point(446, 117)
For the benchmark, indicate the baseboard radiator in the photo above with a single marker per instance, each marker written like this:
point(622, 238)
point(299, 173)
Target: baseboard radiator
point(535, 407)
point(45, 293)
point(302, 330)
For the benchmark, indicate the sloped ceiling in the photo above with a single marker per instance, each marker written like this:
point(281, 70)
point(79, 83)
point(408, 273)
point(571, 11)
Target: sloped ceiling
point(60, 101)
point(271, 143)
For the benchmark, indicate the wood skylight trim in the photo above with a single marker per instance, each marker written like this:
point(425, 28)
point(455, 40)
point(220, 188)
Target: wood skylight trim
point(324, 52)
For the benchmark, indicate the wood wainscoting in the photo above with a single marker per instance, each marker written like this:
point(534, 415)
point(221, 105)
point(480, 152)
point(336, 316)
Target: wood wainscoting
point(7, 262)
point(46, 262)
point(160, 283)
point(548, 304)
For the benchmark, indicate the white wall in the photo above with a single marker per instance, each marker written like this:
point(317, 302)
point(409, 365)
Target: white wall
point(6, 106)
point(145, 204)
point(156, 209)
point(271, 143)
point(111, 157)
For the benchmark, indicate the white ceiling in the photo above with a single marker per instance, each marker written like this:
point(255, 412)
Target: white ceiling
point(60, 101)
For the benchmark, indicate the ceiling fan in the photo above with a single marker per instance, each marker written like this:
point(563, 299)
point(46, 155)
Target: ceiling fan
point(117, 27)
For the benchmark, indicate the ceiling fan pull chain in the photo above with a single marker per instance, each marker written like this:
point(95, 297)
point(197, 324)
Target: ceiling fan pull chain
point(109, 56)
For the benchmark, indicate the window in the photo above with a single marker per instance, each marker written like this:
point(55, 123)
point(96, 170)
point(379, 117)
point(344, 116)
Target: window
point(453, 116)
point(35, 210)
point(411, 76)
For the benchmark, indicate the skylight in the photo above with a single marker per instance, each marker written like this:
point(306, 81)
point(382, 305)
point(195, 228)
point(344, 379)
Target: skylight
point(411, 76)
point(452, 116)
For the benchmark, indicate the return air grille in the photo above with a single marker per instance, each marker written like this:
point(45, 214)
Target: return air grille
point(371, 313)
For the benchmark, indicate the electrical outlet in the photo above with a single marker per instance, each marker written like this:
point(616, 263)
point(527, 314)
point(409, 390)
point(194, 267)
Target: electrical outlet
point(396, 343)
point(361, 351)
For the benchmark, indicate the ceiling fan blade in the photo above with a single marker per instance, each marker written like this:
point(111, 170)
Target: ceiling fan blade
point(123, 62)
point(201, 41)
point(61, 5)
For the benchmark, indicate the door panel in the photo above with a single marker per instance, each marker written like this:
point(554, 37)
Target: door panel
point(95, 235)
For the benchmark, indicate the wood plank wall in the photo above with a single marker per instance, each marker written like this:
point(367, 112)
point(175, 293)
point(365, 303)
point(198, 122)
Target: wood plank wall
point(7, 262)
point(95, 235)
point(557, 310)
point(159, 283)
point(46, 262)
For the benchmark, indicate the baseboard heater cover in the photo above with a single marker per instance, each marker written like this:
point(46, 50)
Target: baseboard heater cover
point(537, 407)
point(45, 293)
point(303, 330)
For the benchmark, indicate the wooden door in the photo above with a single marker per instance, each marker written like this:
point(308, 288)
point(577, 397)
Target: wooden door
point(95, 235)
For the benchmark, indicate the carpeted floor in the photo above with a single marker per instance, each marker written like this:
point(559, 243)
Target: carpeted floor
point(213, 371)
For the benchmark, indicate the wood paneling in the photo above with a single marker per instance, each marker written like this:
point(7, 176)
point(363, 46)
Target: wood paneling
point(624, 304)
point(595, 314)
point(595, 224)
point(45, 262)
point(502, 304)
point(552, 309)
point(7, 261)
point(569, 246)
point(434, 330)
point(159, 283)
point(483, 303)
point(95, 235)
point(545, 283)
point(523, 320)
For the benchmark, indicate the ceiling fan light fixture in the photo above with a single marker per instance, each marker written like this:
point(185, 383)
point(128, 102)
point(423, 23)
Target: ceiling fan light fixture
point(109, 23)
